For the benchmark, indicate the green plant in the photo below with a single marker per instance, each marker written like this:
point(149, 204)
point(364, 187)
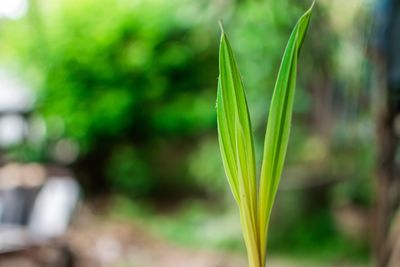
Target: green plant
point(236, 141)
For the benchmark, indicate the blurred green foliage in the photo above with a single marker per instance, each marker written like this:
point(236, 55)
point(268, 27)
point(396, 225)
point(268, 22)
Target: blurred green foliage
point(118, 76)
point(123, 78)
point(115, 68)
point(133, 84)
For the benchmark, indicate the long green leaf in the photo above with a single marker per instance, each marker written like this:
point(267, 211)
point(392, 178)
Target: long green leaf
point(236, 143)
point(278, 129)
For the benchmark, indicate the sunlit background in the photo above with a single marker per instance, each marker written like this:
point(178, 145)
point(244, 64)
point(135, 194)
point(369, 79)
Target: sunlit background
point(108, 141)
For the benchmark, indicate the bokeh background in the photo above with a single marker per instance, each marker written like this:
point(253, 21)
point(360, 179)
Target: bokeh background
point(119, 95)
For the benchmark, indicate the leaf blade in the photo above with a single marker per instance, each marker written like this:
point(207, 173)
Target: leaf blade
point(237, 146)
point(278, 128)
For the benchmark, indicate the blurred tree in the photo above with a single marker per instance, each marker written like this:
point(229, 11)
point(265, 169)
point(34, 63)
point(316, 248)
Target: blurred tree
point(131, 86)
point(117, 72)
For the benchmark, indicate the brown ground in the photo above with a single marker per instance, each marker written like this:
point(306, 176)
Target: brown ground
point(99, 242)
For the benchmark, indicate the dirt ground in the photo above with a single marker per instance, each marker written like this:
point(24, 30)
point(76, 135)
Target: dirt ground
point(99, 242)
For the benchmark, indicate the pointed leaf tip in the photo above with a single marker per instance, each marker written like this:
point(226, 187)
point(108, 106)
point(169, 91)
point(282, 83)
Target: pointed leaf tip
point(309, 11)
point(312, 5)
point(221, 26)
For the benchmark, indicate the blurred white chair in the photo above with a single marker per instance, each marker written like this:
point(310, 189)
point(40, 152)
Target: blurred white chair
point(53, 208)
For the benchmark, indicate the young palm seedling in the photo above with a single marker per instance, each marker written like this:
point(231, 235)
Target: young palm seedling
point(255, 199)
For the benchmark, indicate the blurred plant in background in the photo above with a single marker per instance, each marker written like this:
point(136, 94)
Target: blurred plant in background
point(120, 76)
point(125, 90)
